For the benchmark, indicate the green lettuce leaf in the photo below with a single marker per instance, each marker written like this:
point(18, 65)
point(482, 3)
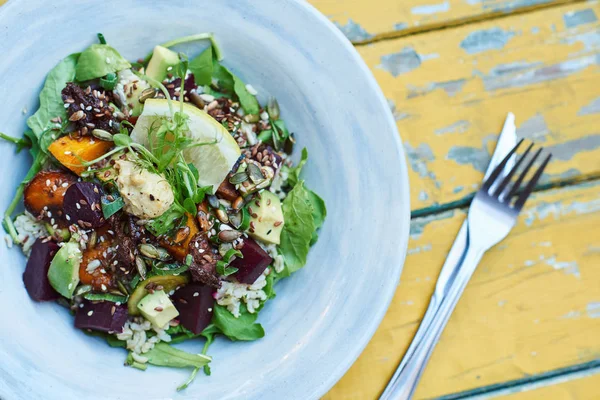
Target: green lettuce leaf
point(294, 174)
point(319, 213)
point(51, 104)
point(202, 67)
point(97, 61)
point(298, 229)
point(242, 328)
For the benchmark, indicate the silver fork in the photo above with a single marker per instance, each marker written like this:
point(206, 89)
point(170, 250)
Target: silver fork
point(492, 215)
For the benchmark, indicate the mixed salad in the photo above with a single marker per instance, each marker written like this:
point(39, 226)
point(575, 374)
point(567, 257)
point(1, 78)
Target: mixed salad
point(162, 204)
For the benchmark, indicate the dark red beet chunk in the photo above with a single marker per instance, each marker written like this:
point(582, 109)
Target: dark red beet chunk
point(35, 276)
point(100, 316)
point(254, 263)
point(82, 203)
point(193, 301)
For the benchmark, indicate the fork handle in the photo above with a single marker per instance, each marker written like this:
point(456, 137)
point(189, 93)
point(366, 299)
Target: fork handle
point(405, 379)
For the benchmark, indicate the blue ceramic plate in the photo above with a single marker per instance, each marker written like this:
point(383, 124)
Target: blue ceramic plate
point(326, 313)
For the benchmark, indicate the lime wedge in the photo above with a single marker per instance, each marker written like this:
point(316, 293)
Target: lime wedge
point(214, 161)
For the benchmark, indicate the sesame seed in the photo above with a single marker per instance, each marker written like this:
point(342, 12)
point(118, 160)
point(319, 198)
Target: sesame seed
point(67, 217)
point(210, 309)
point(90, 313)
point(52, 221)
point(196, 294)
point(67, 153)
point(49, 214)
point(67, 105)
point(103, 287)
point(48, 183)
point(81, 106)
point(108, 60)
point(78, 206)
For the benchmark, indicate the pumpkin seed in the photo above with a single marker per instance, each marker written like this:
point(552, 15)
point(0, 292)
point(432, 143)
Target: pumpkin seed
point(236, 219)
point(149, 93)
point(255, 173)
point(149, 250)
point(77, 116)
point(141, 266)
point(102, 135)
point(273, 108)
point(229, 235)
point(202, 218)
point(238, 178)
point(213, 201)
point(122, 288)
point(163, 255)
point(251, 118)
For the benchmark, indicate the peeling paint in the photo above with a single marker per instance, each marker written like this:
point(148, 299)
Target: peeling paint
point(458, 189)
point(417, 225)
point(593, 310)
point(402, 62)
point(535, 128)
point(353, 31)
point(581, 17)
point(487, 39)
point(398, 115)
point(592, 108)
point(535, 30)
point(571, 315)
point(464, 155)
point(429, 9)
point(457, 127)
point(452, 88)
point(544, 210)
point(420, 249)
point(590, 40)
point(423, 196)
point(523, 74)
point(567, 150)
point(419, 157)
point(400, 26)
point(561, 176)
point(570, 268)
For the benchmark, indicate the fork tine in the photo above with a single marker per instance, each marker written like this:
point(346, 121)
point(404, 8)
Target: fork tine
point(529, 188)
point(498, 170)
point(510, 174)
point(517, 184)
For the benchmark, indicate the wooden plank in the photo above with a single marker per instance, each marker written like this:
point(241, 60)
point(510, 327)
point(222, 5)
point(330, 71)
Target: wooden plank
point(364, 21)
point(451, 90)
point(532, 306)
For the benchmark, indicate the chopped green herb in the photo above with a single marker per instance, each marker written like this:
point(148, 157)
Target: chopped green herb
point(105, 297)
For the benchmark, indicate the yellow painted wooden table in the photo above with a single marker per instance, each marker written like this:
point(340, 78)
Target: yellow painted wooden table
point(528, 324)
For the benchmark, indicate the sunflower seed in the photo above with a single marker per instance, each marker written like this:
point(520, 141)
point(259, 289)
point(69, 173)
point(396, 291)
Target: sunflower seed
point(197, 100)
point(149, 251)
point(222, 216)
point(76, 116)
point(236, 219)
point(237, 204)
point(102, 135)
point(229, 235)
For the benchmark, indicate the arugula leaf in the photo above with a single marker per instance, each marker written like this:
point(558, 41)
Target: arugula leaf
point(20, 143)
point(180, 334)
point(224, 77)
point(130, 361)
point(99, 60)
point(233, 84)
point(51, 104)
point(242, 328)
point(294, 174)
point(298, 228)
point(202, 67)
point(168, 221)
point(209, 333)
point(167, 356)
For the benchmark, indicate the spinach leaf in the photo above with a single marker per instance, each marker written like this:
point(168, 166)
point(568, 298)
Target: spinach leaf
point(233, 84)
point(109, 208)
point(294, 174)
point(242, 328)
point(167, 356)
point(99, 60)
point(51, 104)
point(114, 342)
point(180, 334)
point(298, 230)
point(319, 213)
point(202, 67)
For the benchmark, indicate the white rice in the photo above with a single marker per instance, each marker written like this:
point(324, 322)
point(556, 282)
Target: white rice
point(279, 181)
point(277, 258)
point(231, 294)
point(135, 333)
point(28, 231)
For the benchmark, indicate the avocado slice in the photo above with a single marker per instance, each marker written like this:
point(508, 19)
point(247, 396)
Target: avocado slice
point(63, 273)
point(129, 89)
point(157, 308)
point(168, 283)
point(162, 59)
point(266, 220)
